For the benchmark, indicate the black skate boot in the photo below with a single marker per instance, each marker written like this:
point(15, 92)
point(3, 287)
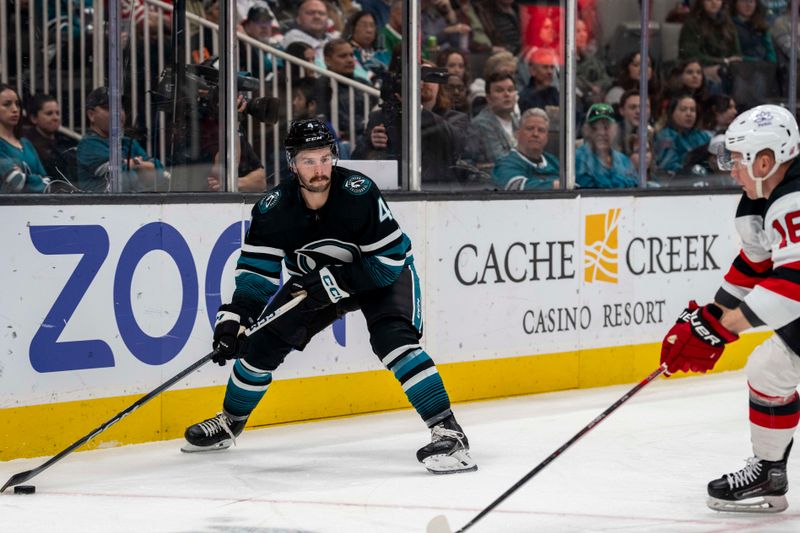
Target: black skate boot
point(448, 451)
point(217, 433)
point(759, 487)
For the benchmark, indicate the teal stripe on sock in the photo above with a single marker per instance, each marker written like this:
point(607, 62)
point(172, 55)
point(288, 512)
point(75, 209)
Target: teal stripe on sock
point(240, 401)
point(429, 397)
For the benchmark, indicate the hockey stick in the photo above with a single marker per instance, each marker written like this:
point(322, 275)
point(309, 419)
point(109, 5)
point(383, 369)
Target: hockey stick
point(22, 477)
point(439, 523)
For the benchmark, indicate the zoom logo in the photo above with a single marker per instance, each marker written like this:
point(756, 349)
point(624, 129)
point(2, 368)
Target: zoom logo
point(91, 242)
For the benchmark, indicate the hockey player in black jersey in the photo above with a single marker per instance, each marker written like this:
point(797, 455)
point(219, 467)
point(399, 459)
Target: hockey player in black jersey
point(761, 288)
point(341, 245)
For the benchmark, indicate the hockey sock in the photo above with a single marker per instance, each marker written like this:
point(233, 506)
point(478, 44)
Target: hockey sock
point(417, 373)
point(772, 423)
point(246, 387)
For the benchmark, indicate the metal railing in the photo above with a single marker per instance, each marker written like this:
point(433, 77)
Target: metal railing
point(64, 53)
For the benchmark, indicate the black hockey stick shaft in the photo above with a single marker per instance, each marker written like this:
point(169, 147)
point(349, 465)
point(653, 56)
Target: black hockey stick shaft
point(586, 429)
point(22, 477)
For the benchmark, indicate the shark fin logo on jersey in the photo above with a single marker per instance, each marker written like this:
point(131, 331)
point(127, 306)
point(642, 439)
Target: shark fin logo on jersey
point(269, 201)
point(316, 254)
point(357, 184)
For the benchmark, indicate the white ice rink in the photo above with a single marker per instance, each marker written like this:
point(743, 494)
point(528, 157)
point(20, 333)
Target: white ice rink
point(643, 469)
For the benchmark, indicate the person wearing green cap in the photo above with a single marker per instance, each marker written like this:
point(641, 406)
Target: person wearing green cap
point(597, 165)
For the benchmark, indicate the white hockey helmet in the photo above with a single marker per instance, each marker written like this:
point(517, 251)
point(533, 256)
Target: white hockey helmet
point(763, 127)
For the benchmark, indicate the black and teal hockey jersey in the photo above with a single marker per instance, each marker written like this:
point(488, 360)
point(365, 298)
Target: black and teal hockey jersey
point(354, 234)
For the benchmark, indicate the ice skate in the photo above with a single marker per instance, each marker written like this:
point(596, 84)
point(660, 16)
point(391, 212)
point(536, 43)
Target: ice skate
point(759, 487)
point(448, 452)
point(217, 433)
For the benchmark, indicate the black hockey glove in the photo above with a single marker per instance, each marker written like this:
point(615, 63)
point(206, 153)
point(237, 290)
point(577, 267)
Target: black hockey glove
point(230, 342)
point(321, 289)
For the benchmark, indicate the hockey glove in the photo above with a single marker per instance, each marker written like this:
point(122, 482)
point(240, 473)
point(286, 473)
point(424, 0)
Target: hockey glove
point(229, 338)
point(321, 289)
point(696, 341)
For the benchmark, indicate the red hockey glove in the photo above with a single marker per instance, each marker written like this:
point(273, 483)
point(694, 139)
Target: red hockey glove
point(696, 341)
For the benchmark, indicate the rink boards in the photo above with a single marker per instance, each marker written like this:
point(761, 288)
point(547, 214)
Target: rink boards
point(102, 303)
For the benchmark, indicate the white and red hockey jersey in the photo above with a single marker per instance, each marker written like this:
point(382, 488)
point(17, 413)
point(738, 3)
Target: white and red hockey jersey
point(764, 279)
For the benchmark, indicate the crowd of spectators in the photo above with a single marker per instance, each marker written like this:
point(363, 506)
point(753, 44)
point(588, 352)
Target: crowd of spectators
point(490, 107)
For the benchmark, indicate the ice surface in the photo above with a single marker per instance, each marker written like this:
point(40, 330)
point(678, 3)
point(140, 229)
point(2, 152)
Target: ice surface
point(643, 469)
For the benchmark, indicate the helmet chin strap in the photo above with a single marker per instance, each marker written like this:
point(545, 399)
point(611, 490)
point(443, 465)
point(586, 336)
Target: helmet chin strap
point(760, 181)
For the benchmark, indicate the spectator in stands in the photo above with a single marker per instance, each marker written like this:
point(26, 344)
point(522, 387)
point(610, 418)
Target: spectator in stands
point(502, 24)
point(750, 18)
point(338, 12)
point(597, 164)
point(456, 92)
point(139, 172)
point(339, 58)
point(441, 99)
point(303, 51)
point(781, 31)
point(628, 78)
point(55, 150)
point(460, 137)
point(587, 14)
point(505, 62)
point(540, 91)
point(203, 50)
point(710, 35)
point(21, 169)
point(718, 113)
point(251, 174)
point(312, 26)
point(362, 33)
point(392, 31)
point(257, 25)
point(686, 78)
point(632, 151)
point(457, 65)
point(438, 19)
point(528, 166)
point(306, 104)
point(479, 41)
point(675, 142)
point(540, 25)
point(591, 76)
point(383, 135)
point(629, 110)
point(379, 9)
point(497, 122)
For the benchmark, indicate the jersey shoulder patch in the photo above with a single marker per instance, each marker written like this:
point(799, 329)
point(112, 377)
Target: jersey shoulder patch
point(269, 201)
point(357, 184)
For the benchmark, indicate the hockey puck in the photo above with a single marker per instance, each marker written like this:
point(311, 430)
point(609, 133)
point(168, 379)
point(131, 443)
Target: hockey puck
point(25, 489)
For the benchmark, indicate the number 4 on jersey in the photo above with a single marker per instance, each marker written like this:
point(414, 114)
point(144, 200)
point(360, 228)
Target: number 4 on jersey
point(383, 211)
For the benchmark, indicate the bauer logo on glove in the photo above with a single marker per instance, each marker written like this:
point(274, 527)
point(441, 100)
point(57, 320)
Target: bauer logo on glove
point(696, 341)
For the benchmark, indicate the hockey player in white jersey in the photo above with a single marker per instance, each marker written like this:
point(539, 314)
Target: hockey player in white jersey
point(762, 287)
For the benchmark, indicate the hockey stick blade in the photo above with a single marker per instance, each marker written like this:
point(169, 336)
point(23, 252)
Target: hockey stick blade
point(439, 523)
point(22, 477)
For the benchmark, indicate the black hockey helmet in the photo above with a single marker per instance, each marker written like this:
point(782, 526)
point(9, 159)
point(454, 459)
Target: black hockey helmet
point(308, 133)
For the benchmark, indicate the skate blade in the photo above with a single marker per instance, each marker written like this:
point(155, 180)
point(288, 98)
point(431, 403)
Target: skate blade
point(763, 504)
point(453, 463)
point(221, 445)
